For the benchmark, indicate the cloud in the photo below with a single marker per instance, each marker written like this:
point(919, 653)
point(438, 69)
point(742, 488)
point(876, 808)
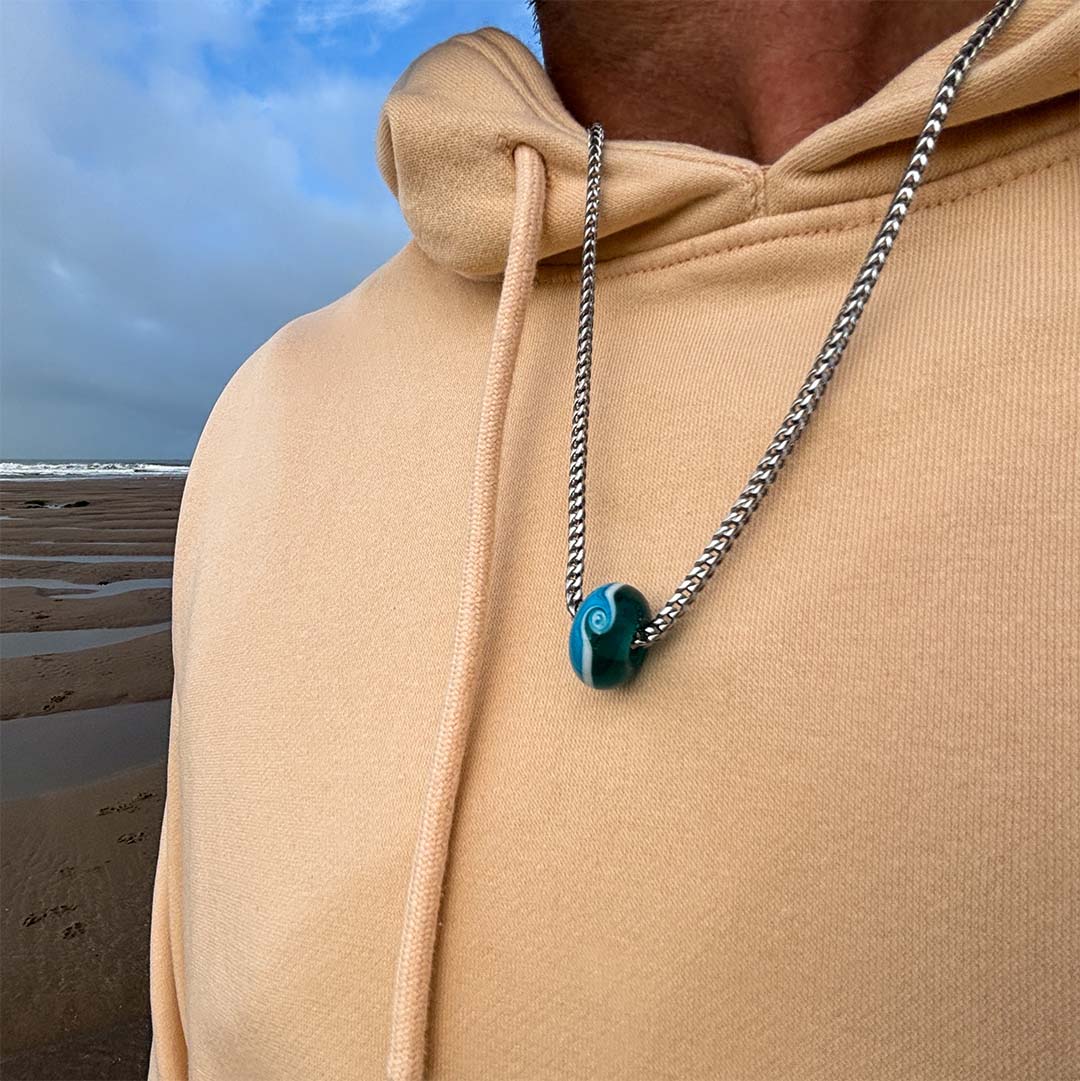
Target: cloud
point(161, 220)
point(324, 14)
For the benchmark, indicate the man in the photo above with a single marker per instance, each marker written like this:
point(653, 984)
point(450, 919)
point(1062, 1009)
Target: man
point(830, 829)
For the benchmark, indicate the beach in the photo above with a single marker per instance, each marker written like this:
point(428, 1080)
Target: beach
point(85, 595)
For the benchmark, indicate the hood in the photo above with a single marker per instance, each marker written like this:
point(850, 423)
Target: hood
point(450, 124)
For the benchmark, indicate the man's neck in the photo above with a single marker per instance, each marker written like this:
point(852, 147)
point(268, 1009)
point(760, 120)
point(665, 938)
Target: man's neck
point(744, 77)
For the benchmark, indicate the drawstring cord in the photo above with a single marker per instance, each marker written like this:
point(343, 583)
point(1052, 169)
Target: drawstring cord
point(410, 1003)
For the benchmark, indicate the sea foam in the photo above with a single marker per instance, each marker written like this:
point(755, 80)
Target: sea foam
point(17, 470)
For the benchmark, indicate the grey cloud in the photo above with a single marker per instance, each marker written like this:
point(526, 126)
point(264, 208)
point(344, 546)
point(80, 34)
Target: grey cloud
point(154, 233)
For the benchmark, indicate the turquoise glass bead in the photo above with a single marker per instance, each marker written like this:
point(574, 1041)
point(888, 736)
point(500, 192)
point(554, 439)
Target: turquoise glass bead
point(602, 635)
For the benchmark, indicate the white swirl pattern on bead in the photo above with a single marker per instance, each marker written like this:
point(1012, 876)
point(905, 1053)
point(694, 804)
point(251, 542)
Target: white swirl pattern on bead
point(599, 618)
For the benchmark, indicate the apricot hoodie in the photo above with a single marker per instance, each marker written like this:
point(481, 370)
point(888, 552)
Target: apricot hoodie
point(833, 828)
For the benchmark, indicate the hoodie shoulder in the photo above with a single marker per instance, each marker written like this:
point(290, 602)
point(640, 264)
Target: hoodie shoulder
point(374, 367)
point(319, 352)
point(320, 336)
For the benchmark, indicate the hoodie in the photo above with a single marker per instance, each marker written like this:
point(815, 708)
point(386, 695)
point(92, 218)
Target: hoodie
point(832, 829)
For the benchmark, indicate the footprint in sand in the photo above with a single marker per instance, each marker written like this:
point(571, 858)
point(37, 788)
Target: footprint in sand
point(74, 930)
point(128, 805)
point(55, 910)
point(131, 838)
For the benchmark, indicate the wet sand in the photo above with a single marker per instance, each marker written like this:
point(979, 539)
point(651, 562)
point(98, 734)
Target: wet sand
point(78, 867)
point(82, 792)
point(68, 608)
point(51, 519)
point(138, 670)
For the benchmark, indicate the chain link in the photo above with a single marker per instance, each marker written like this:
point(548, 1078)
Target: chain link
point(579, 431)
point(816, 381)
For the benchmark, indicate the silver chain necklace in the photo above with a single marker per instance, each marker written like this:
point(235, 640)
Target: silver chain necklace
point(612, 628)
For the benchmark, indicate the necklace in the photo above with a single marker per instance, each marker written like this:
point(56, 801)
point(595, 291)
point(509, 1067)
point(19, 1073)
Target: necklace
point(612, 629)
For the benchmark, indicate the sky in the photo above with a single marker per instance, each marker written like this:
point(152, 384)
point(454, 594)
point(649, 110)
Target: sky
point(180, 178)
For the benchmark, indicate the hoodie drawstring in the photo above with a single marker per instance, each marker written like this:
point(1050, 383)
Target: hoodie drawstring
point(410, 1002)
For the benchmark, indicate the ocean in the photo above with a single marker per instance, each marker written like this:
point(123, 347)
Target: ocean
point(61, 468)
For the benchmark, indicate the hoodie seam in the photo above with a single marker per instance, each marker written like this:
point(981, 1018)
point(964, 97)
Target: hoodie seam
point(556, 274)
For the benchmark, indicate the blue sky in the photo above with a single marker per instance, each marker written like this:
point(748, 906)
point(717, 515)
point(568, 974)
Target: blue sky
point(180, 178)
